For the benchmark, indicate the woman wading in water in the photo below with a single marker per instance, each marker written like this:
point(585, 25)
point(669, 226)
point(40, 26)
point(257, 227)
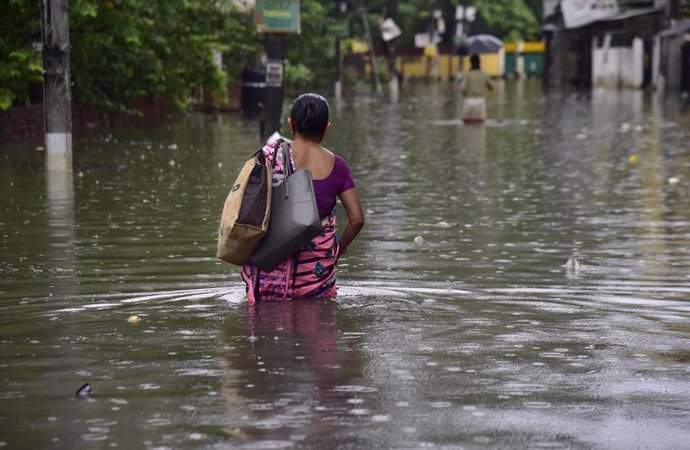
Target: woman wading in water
point(310, 272)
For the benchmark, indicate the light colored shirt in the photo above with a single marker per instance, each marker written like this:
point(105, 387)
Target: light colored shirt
point(475, 83)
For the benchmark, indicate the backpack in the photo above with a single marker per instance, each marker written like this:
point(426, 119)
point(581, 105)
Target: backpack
point(246, 211)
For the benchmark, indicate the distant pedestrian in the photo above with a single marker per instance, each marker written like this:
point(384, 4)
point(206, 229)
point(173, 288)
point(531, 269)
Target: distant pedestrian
point(475, 85)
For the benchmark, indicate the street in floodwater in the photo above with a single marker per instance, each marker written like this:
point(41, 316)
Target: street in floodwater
point(456, 324)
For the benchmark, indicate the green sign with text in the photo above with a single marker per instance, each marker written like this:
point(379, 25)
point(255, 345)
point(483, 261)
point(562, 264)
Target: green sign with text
point(337, 28)
point(277, 16)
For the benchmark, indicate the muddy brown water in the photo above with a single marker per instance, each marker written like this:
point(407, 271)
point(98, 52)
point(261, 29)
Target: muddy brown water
point(456, 323)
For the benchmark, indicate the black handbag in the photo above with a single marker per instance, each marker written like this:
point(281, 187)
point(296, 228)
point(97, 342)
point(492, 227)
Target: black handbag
point(294, 217)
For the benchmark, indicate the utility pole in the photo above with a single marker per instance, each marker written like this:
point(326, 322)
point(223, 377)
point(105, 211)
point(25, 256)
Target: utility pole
point(57, 99)
point(367, 33)
point(338, 84)
point(273, 99)
point(389, 31)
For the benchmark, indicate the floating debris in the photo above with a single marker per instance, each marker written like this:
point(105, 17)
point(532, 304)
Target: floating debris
point(673, 181)
point(133, 319)
point(633, 158)
point(85, 391)
point(172, 146)
point(573, 265)
point(419, 239)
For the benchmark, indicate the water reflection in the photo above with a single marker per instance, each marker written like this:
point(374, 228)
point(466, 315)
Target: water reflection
point(61, 230)
point(288, 372)
point(474, 142)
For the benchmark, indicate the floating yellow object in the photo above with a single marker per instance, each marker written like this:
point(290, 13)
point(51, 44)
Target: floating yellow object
point(633, 158)
point(133, 319)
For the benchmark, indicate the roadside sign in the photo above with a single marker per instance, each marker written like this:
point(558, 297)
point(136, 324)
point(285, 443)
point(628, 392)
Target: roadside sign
point(337, 28)
point(277, 16)
point(274, 73)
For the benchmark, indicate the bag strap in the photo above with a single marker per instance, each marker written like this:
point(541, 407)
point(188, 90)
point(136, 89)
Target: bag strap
point(275, 153)
point(287, 167)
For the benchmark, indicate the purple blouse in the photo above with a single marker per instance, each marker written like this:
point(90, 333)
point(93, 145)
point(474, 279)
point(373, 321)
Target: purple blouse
point(338, 181)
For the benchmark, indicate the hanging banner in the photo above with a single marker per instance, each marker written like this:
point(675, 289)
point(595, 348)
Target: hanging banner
point(389, 30)
point(277, 16)
point(577, 13)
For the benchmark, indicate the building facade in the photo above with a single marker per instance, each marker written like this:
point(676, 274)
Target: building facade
point(616, 44)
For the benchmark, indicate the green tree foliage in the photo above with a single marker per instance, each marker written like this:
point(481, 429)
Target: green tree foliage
point(512, 19)
point(310, 55)
point(20, 65)
point(124, 50)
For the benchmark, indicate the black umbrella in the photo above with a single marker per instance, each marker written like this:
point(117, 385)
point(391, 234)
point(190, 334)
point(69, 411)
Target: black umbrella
point(480, 43)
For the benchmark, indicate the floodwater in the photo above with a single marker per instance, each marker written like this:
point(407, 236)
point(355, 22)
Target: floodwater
point(456, 324)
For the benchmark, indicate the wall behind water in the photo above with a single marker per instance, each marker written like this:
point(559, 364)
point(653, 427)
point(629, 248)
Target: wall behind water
point(448, 65)
point(26, 123)
point(614, 67)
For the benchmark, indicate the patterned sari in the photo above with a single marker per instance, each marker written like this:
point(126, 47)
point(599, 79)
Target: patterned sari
point(308, 273)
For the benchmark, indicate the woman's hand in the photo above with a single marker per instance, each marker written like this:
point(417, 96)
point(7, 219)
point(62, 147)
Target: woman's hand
point(355, 219)
point(341, 251)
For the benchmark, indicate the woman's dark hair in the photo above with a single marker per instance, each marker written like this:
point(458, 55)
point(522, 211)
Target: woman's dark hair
point(309, 113)
point(474, 62)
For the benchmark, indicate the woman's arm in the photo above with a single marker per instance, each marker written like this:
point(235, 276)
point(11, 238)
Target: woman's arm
point(355, 218)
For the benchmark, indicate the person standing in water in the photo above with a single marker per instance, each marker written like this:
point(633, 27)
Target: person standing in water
point(310, 272)
point(475, 85)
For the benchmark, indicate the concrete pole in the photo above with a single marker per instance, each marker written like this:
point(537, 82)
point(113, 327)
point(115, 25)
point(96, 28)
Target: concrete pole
point(273, 97)
point(57, 99)
point(370, 42)
point(389, 9)
point(338, 84)
point(520, 60)
point(341, 7)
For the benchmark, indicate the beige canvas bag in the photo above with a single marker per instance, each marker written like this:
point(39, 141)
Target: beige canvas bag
point(246, 212)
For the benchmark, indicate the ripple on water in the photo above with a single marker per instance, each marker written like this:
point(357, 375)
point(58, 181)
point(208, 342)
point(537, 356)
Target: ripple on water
point(198, 372)
point(269, 424)
point(94, 437)
point(551, 355)
point(261, 406)
point(580, 408)
point(354, 388)
point(537, 405)
point(519, 389)
point(270, 445)
point(548, 445)
point(159, 422)
point(440, 404)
